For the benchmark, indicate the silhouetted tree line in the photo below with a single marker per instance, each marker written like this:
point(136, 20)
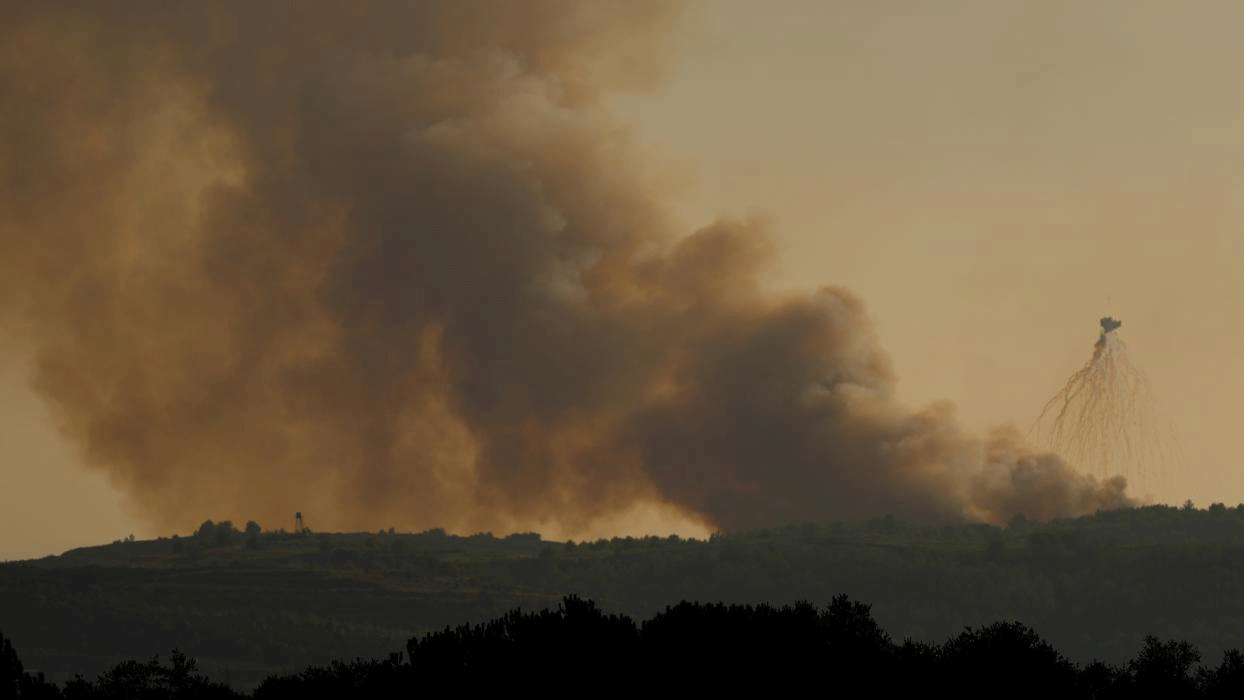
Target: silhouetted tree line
point(694, 647)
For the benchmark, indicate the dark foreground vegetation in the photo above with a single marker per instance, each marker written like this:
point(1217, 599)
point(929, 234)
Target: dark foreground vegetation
point(577, 648)
point(251, 604)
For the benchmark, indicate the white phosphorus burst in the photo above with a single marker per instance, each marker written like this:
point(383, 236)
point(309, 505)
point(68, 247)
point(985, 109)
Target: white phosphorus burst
point(1103, 419)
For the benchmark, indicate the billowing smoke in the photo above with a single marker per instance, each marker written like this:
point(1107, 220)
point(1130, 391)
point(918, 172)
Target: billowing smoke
point(392, 263)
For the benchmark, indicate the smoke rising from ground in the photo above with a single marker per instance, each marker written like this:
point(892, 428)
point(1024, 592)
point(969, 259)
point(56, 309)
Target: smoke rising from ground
point(393, 264)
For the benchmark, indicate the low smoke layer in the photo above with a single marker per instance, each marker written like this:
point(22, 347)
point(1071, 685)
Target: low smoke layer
point(393, 264)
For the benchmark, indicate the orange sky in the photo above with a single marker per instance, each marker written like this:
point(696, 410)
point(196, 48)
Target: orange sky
point(989, 176)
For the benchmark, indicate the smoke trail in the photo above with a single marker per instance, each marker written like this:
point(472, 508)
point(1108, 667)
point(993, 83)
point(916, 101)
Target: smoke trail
point(1104, 417)
point(392, 263)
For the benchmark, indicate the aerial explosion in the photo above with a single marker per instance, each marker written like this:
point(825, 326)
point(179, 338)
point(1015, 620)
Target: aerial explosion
point(1103, 417)
point(395, 264)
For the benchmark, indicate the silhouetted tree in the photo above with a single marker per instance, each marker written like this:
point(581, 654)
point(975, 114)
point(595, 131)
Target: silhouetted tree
point(1004, 659)
point(1166, 668)
point(11, 670)
point(1225, 681)
point(151, 680)
point(373, 679)
point(16, 682)
point(206, 531)
point(586, 644)
point(225, 533)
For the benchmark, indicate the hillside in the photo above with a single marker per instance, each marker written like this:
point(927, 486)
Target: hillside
point(248, 606)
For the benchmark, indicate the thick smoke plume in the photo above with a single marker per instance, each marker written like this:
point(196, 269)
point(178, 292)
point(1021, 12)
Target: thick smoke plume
point(391, 263)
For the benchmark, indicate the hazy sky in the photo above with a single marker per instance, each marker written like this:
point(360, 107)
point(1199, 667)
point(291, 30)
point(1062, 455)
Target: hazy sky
point(992, 177)
point(989, 176)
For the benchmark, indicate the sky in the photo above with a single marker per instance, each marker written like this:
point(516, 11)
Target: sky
point(989, 177)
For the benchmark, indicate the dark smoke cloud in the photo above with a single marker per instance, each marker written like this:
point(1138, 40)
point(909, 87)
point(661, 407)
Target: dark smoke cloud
point(392, 263)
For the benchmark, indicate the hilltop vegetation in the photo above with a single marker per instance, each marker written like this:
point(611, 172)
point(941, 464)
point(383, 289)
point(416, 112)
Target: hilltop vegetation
point(248, 605)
